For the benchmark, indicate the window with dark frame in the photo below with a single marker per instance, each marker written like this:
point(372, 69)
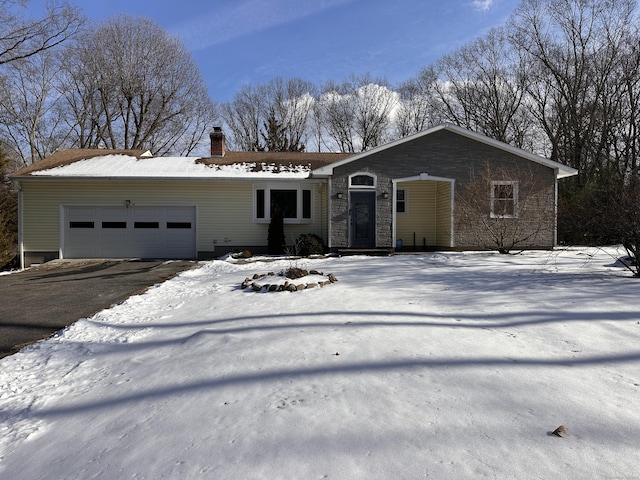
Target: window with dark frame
point(401, 201)
point(295, 204)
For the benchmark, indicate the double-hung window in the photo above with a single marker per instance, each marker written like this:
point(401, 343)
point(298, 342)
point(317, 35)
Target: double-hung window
point(504, 199)
point(294, 203)
point(401, 200)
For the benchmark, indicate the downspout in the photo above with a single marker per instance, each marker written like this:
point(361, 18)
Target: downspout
point(394, 194)
point(322, 187)
point(329, 210)
point(20, 223)
point(555, 210)
point(453, 223)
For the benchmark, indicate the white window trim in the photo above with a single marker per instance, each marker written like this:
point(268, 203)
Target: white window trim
point(267, 187)
point(360, 187)
point(494, 184)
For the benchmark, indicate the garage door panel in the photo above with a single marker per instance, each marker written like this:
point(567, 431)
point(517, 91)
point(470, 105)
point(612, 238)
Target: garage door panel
point(134, 232)
point(114, 240)
point(82, 231)
point(178, 239)
point(114, 232)
point(148, 240)
point(83, 237)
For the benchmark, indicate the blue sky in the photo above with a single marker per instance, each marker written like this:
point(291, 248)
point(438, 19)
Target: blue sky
point(251, 41)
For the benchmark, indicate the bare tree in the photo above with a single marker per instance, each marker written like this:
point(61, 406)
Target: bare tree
point(289, 103)
point(482, 87)
point(134, 86)
point(357, 113)
point(315, 123)
point(416, 104)
point(32, 120)
point(337, 116)
point(618, 220)
point(374, 105)
point(21, 37)
point(257, 111)
point(244, 117)
point(572, 49)
point(624, 136)
point(506, 208)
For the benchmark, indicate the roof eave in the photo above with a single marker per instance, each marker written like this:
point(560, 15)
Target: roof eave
point(565, 172)
point(145, 178)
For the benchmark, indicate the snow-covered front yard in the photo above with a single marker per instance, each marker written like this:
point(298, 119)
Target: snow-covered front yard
point(441, 366)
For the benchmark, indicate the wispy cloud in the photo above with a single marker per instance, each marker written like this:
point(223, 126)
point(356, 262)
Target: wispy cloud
point(482, 5)
point(224, 23)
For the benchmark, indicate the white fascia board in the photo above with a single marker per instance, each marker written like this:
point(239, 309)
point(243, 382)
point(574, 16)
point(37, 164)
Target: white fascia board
point(423, 177)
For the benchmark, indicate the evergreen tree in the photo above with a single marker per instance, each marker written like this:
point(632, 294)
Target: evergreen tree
point(275, 136)
point(276, 238)
point(8, 214)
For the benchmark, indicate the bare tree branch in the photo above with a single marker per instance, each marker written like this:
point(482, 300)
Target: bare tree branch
point(22, 38)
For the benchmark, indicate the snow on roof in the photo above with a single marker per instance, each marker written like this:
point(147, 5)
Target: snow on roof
point(117, 165)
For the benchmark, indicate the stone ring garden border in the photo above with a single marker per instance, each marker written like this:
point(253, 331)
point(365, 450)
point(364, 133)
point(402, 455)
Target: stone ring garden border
point(287, 286)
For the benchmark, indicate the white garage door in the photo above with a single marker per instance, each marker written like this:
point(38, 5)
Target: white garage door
point(133, 232)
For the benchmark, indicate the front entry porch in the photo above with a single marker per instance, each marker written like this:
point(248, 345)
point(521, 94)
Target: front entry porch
point(423, 213)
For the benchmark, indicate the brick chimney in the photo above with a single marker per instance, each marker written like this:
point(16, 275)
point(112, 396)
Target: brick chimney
point(217, 142)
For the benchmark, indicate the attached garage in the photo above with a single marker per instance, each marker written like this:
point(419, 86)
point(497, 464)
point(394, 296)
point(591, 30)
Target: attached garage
point(149, 231)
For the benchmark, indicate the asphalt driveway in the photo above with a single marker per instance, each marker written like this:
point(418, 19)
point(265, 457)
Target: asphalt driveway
point(37, 302)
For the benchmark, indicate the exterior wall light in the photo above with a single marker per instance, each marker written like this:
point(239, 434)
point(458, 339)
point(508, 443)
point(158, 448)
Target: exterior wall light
point(339, 195)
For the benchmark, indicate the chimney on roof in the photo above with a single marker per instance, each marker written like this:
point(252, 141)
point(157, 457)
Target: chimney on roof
point(217, 142)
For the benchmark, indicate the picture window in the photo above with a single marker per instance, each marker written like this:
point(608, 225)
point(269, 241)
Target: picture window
point(294, 203)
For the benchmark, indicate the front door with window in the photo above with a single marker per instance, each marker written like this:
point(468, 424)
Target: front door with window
point(362, 219)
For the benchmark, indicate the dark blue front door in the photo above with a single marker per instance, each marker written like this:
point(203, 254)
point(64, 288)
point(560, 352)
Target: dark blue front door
point(362, 219)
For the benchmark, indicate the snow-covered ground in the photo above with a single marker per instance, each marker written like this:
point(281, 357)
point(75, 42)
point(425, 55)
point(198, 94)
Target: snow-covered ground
point(415, 366)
